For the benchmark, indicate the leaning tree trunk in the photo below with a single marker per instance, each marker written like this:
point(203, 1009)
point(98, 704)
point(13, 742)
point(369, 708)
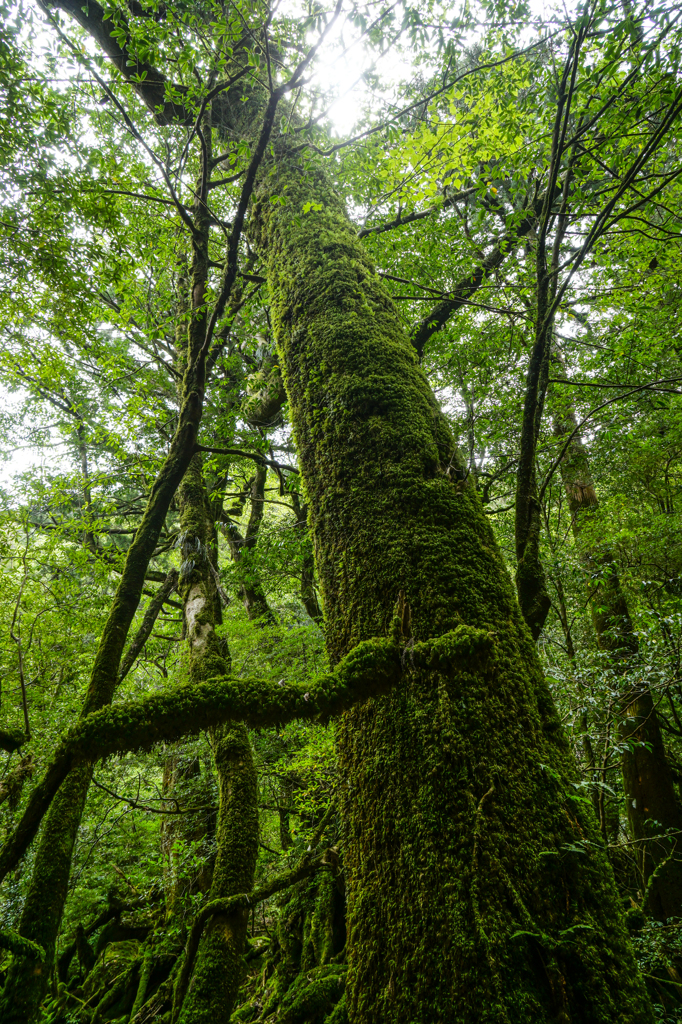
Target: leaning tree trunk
point(652, 806)
point(26, 984)
point(478, 889)
point(219, 969)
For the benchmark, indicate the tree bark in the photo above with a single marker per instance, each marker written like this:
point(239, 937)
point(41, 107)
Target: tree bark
point(467, 899)
point(651, 804)
point(218, 971)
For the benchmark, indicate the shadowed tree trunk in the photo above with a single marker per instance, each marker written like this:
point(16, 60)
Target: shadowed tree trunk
point(651, 803)
point(464, 899)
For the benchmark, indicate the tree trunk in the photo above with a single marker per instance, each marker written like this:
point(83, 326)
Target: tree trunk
point(218, 971)
point(478, 889)
point(41, 917)
point(652, 807)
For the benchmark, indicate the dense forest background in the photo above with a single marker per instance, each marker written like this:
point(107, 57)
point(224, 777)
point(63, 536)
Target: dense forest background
point(513, 174)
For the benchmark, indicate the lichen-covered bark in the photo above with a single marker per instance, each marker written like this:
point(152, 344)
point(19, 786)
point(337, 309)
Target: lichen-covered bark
point(478, 889)
point(219, 966)
point(651, 804)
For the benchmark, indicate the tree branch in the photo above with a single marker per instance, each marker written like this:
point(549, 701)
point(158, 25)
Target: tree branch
point(149, 83)
point(442, 311)
point(369, 670)
point(155, 606)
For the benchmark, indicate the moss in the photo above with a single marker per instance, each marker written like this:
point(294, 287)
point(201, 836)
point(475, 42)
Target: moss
point(145, 975)
point(219, 964)
point(439, 877)
point(27, 979)
point(321, 933)
point(339, 1014)
point(112, 964)
point(18, 944)
point(370, 669)
point(313, 994)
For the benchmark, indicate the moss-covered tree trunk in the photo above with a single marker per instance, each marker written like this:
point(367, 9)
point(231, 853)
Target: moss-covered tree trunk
point(478, 888)
point(28, 979)
point(650, 800)
point(218, 970)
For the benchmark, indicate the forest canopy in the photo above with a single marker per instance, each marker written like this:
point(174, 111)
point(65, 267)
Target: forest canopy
point(340, 498)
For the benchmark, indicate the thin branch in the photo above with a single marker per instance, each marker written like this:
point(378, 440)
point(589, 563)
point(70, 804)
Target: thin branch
point(144, 807)
point(155, 606)
point(260, 459)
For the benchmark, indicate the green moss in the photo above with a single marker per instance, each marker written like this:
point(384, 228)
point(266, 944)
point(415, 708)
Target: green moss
point(17, 944)
point(219, 964)
point(313, 995)
point(370, 669)
point(27, 979)
point(321, 932)
point(440, 876)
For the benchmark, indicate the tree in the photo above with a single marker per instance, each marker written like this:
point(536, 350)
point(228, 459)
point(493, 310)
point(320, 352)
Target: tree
point(449, 744)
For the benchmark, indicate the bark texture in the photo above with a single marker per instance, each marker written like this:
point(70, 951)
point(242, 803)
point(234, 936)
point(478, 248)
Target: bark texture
point(477, 888)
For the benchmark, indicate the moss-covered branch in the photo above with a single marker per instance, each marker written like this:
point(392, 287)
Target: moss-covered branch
point(370, 669)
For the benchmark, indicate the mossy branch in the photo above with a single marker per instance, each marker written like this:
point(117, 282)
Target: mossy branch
point(369, 670)
point(18, 944)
